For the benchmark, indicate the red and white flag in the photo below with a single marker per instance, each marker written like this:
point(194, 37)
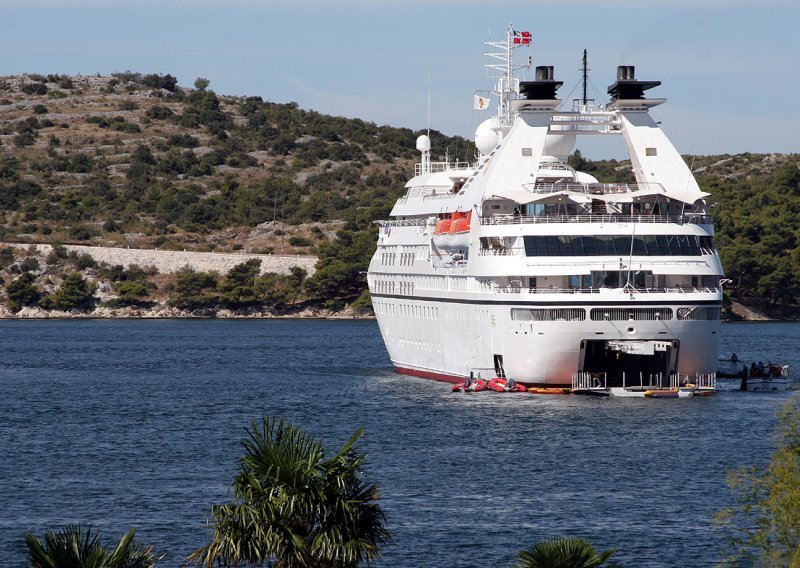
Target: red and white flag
point(522, 38)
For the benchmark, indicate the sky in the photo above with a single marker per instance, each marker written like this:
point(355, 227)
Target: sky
point(729, 68)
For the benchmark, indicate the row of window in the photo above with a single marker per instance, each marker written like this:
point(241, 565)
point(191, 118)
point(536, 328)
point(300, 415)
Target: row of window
point(617, 245)
point(405, 258)
point(421, 311)
point(614, 314)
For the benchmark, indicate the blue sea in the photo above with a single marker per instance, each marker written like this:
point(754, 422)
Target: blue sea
point(122, 424)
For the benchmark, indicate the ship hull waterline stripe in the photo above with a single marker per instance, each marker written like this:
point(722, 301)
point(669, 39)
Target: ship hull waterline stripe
point(456, 379)
point(620, 302)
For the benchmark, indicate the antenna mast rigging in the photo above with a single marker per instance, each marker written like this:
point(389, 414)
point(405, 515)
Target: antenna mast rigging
point(507, 85)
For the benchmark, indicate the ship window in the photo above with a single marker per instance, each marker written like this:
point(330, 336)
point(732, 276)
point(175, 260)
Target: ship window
point(631, 314)
point(650, 152)
point(698, 313)
point(580, 281)
point(613, 245)
point(545, 314)
point(605, 245)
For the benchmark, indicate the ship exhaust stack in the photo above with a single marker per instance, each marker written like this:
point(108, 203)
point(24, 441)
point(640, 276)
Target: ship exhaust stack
point(543, 88)
point(627, 87)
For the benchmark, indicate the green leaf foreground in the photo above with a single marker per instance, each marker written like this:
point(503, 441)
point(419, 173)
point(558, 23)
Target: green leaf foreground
point(766, 520)
point(75, 546)
point(564, 552)
point(294, 507)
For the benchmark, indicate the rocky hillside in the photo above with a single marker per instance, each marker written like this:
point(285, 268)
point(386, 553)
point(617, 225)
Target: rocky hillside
point(134, 160)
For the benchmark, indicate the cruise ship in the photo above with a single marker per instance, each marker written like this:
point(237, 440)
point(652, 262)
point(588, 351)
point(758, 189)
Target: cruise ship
point(518, 266)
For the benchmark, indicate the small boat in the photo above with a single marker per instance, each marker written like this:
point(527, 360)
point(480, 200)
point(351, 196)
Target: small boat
point(731, 369)
point(501, 384)
point(767, 384)
point(769, 378)
point(681, 392)
point(772, 378)
point(471, 385)
point(549, 390)
point(452, 232)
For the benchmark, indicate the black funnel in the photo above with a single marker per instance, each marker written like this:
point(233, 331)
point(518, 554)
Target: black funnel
point(627, 87)
point(543, 88)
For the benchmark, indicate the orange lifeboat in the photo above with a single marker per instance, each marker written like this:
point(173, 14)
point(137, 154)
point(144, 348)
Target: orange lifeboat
point(460, 223)
point(443, 226)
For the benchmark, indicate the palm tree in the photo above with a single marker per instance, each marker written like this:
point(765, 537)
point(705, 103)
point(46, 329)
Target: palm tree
point(563, 552)
point(76, 547)
point(294, 507)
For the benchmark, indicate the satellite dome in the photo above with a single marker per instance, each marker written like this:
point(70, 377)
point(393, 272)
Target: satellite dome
point(559, 145)
point(487, 135)
point(423, 143)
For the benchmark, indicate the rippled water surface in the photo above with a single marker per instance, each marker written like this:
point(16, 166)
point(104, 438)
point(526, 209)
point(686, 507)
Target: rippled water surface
point(137, 424)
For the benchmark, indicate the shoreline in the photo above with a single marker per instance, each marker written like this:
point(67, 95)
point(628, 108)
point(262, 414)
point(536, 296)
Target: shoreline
point(167, 312)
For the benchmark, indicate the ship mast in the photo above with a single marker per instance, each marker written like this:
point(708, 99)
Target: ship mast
point(585, 79)
point(507, 87)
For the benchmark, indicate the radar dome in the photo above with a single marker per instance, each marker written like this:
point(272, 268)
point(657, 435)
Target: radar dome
point(487, 135)
point(559, 145)
point(423, 143)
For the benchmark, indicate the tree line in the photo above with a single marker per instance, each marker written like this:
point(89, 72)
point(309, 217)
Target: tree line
point(29, 282)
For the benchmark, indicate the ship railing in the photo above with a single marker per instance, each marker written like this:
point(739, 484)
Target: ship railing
point(402, 223)
point(628, 290)
point(705, 381)
point(584, 380)
point(438, 167)
point(440, 195)
point(501, 252)
point(449, 263)
point(594, 218)
point(593, 188)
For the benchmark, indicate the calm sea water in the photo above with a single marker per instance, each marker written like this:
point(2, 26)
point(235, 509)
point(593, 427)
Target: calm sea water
point(125, 424)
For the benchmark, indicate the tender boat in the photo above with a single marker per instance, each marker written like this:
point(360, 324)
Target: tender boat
point(501, 384)
point(771, 378)
point(471, 385)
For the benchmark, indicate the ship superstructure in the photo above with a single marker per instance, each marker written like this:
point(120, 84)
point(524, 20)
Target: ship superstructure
point(519, 266)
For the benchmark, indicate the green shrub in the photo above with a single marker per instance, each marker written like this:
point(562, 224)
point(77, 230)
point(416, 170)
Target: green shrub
point(194, 290)
point(6, 256)
point(34, 89)
point(29, 264)
point(22, 292)
point(158, 112)
point(24, 139)
point(75, 293)
point(156, 81)
point(128, 104)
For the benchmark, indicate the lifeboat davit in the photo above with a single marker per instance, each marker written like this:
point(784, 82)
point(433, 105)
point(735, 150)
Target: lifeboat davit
point(453, 232)
point(500, 384)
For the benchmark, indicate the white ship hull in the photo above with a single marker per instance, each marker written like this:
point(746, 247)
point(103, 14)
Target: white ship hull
point(449, 341)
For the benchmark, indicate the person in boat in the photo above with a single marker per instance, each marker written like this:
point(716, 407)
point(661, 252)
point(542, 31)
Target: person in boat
point(510, 383)
point(753, 369)
point(734, 358)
